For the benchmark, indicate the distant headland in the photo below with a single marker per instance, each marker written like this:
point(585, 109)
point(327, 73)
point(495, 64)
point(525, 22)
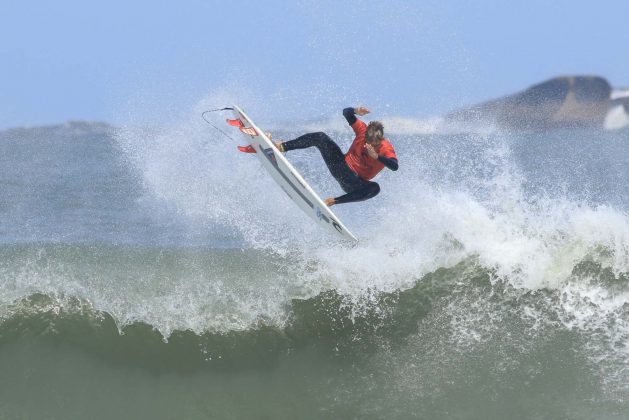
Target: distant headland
point(560, 102)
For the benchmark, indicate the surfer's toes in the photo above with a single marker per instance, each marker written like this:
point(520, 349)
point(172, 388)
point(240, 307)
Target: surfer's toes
point(278, 143)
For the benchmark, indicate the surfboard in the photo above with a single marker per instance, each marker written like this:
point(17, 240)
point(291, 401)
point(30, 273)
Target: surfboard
point(287, 177)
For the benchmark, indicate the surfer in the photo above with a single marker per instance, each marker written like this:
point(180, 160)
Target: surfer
point(367, 156)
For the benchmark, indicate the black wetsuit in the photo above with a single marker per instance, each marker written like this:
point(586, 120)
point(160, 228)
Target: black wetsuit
point(357, 189)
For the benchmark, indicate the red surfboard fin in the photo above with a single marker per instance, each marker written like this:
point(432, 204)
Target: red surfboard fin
point(235, 123)
point(247, 149)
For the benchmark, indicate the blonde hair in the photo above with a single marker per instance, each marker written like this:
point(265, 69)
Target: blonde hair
point(375, 131)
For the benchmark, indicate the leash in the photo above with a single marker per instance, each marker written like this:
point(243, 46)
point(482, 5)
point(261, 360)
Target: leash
point(218, 129)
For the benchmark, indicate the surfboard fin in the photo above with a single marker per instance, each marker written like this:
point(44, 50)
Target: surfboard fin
point(247, 149)
point(235, 123)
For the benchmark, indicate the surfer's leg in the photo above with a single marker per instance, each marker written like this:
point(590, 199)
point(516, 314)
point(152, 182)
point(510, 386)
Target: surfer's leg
point(356, 188)
point(320, 140)
point(330, 151)
point(367, 190)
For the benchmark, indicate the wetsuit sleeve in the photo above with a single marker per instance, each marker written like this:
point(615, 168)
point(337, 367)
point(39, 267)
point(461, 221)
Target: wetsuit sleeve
point(350, 115)
point(357, 125)
point(386, 156)
point(390, 163)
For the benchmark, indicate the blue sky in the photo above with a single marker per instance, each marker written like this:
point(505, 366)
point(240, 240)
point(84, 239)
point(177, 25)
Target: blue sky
point(156, 60)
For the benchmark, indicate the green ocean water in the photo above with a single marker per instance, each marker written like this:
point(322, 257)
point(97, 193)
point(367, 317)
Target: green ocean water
point(141, 282)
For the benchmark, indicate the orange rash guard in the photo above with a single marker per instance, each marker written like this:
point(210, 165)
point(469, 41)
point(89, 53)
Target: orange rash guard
point(357, 158)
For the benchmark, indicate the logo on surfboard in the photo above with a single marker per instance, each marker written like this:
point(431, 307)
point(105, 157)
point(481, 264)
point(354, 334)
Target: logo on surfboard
point(323, 217)
point(271, 156)
point(249, 131)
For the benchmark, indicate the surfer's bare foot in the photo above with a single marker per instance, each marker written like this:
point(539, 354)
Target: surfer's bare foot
point(329, 202)
point(277, 143)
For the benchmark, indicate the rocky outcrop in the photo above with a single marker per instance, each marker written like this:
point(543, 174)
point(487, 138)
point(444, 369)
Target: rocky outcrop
point(561, 102)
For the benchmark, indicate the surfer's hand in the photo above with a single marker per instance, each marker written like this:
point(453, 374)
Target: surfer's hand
point(329, 202)
point(361, 110)
point(371, 151)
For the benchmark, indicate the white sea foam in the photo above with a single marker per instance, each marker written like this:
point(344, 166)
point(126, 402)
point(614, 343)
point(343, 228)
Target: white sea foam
point(195, 169)
point(454, 199)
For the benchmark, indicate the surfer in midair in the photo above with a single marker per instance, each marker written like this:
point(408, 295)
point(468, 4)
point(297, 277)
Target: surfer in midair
point(367, 156)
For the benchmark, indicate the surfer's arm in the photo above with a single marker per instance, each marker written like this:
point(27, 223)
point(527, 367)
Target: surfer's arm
point(390, 163)
point(350, 115)
point(388, 159)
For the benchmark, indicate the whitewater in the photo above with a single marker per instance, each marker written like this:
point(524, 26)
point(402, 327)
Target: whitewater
point(490, 279)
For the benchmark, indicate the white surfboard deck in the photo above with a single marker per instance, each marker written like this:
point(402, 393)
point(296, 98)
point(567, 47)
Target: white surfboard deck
point(289, 179)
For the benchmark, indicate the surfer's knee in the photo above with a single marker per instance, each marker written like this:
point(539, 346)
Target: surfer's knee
point(323, 142)
point(373, 189)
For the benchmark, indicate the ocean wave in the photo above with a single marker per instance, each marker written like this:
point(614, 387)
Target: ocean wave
point(473, 304)
point(332, 323)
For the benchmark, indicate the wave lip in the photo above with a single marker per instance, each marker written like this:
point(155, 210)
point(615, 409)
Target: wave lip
point(329, 321)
